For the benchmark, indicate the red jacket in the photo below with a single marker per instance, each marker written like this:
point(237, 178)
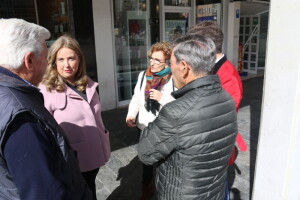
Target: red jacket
point(231, 83)
point(230, 80)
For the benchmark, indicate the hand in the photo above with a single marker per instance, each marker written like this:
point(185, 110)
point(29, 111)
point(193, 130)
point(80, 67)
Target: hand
point(155, 94)
point(130, 121)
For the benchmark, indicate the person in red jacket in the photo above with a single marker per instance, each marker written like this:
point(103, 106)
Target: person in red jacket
point(229, 76)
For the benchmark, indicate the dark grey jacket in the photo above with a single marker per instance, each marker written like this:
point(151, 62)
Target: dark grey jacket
point(191, 141)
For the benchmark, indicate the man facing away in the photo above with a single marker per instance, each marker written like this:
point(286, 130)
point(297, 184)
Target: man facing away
point(192, 138)
point(36, 162)
point(229, 76)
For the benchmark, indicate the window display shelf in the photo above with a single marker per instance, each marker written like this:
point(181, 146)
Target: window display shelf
point(61, 18)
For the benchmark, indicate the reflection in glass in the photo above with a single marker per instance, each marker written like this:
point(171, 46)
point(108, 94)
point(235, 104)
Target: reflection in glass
point(253, 48)
point(246, 38)
point(263, 39)
point(241, 30)
point(252, 65)
point(59, 17)
point(131, 36)
point(176, 25)
point(185, 3)
point(242, 21)
point(247, 30)
point(209, 12)
point(254, 39)
point(247, 20)
point(247, 49)
point(255, 20)
point(245, 65)
point(241, 39)
point(253, 57)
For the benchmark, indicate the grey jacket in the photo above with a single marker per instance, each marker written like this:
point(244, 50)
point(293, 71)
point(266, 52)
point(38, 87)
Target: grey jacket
point(191, 142)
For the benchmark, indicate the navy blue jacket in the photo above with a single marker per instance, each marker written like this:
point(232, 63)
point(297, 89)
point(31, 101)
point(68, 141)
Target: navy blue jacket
point(36, 162)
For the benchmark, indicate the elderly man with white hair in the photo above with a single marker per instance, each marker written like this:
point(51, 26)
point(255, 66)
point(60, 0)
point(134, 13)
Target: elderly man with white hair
point(36, 161)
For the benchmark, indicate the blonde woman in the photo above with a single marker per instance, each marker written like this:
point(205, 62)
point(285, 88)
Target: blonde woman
point(71, 97)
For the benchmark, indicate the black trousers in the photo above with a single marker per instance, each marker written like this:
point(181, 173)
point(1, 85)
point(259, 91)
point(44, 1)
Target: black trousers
point(90, 177)
point(147, 174)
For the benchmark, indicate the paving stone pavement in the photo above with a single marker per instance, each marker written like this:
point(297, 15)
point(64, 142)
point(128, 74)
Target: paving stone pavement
point(120, 178)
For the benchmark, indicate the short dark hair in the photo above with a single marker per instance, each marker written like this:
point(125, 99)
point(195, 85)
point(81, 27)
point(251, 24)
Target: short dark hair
point(211, 30)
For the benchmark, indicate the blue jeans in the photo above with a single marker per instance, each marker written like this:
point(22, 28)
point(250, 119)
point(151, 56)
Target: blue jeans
point(227, 194)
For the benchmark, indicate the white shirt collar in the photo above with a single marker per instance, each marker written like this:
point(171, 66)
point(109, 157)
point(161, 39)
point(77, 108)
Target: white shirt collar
point(217, 60)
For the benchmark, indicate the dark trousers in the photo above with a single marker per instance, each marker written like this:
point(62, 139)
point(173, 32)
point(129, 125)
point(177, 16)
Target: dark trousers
point(90, 177)
point(147, 173)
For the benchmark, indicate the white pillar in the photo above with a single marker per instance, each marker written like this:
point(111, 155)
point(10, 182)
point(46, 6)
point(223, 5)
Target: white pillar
point(277, 172)
point(233, 33)
point(224, 23)
point(102, 14)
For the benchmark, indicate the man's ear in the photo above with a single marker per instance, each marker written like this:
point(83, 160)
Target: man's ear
point(28, 61)
point(185, 69)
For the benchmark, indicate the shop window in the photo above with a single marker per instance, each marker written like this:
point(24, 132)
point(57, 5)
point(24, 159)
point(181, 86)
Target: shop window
point(73, 17)
point(246, 65)
point(203, 2)
point(18, 9)
point(209, 10)
point(184, 3)
point(247, 21)
point(241, 30)
point(55, 16)
point(253, 57)
point(132, 37)
point(176, 25)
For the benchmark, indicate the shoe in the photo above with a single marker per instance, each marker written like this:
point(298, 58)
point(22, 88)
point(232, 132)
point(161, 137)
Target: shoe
point(147, 192)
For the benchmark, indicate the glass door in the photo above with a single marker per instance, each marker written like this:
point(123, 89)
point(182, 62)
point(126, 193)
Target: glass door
point(176, 18)
point(249, 38)
point(132, 38)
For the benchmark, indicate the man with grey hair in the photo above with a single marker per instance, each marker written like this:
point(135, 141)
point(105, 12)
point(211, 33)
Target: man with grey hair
point(192, 138)
point(36, 161)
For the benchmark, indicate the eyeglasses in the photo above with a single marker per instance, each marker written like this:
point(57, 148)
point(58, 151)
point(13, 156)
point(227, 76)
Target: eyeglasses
point(155, 60)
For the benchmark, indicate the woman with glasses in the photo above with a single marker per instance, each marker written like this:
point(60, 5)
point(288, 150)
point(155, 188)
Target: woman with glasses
point(151, 92)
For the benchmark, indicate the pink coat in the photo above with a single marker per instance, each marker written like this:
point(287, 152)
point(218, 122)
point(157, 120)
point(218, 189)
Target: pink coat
point(82, 123)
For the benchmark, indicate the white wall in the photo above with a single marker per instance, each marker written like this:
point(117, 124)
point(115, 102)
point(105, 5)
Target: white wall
point(224, 19)
point(233, 33)
point(277, 173)
point(104, 53)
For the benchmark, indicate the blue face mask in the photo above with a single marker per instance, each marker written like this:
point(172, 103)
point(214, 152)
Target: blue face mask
point(163, 72)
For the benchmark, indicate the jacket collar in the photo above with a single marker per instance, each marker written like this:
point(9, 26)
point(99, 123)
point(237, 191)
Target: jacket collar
point(90, 90)
point(10, 79)
point(207, 83)
point(219, 64)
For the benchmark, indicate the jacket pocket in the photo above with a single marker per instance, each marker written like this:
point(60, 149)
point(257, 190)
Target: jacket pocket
point(106, 144)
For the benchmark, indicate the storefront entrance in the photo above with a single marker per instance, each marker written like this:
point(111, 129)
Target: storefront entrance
point(140, 23)
point(72, 17)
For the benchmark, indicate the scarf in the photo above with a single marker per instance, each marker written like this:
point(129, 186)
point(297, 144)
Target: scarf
point(155, 81)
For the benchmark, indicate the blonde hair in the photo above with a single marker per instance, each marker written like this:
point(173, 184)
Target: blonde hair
point(52, 79)
point(165, 47)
